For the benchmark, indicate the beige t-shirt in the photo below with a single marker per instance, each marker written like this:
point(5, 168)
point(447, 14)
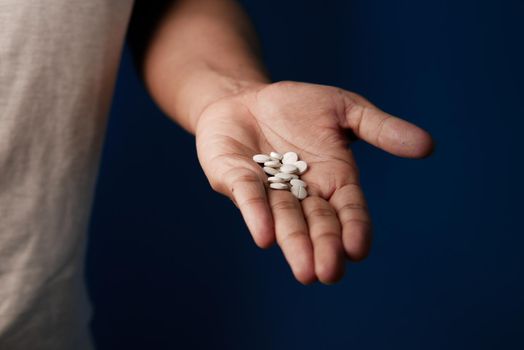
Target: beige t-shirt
point(58, 62)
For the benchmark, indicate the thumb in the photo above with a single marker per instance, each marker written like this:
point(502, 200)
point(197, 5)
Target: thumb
point(387, 132)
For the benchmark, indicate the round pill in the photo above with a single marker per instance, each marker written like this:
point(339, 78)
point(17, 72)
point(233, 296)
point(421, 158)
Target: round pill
point(261, 158)
point(275, 155)
point(273, 164)
point(275, 179)
point(288, 168)
point(284, 176)
point(299, 191)
point(302, 166)
point(279, 186)
point(270, 171)
point(297, 182)
point(289, 158)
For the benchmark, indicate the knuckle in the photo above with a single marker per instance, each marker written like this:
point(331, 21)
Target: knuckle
point(326, 236)
point(355, 113)
point(293, 235)
point(242, 178)
point(252, 201)
point(363, 224)
point(234, 178)
point(380, 129)
point(353, 206)
point(321, 212)
point(284, 205)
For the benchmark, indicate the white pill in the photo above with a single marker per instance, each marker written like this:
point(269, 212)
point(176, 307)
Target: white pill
point(271, 171)
point(273, 164)
point(284, 176)
point(294, 176)
point(299, 191)
point(275, 155)
point(288, 168)
point(261, 158)
point(275, 179)
point(302, 166)
point(279, 186)
point(297, 182)
point(290, 158)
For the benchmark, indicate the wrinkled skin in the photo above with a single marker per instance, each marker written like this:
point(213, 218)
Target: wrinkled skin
point(319, 233)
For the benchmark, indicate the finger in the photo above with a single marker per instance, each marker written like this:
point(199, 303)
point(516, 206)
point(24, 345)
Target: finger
point(352, 212)
point(324, 230)
point(292, 235)
point(385, 131)
point(247, 190)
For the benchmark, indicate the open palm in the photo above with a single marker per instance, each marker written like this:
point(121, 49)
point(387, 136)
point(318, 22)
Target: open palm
point(317, 234)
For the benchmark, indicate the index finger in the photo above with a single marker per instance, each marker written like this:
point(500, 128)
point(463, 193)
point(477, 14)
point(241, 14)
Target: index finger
point(249, 194)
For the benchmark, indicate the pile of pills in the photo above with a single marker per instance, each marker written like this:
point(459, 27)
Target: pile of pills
point(283, 171)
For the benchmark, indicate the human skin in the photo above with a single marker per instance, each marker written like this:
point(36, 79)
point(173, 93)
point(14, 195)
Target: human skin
point(201, 67)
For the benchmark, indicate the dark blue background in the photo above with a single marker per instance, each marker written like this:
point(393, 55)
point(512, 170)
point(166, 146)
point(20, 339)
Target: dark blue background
point(171, 265)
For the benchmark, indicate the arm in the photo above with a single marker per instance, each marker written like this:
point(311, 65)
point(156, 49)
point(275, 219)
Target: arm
point(201, 66)
point(199, 52)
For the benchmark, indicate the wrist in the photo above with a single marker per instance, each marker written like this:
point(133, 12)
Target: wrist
point(208, 86)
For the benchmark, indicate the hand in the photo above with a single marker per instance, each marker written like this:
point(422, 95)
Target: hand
point(333, 223)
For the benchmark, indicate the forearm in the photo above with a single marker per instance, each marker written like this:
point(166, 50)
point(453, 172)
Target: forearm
point(201, 51)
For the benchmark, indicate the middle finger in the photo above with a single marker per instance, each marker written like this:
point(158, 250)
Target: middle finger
point(292, 234)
